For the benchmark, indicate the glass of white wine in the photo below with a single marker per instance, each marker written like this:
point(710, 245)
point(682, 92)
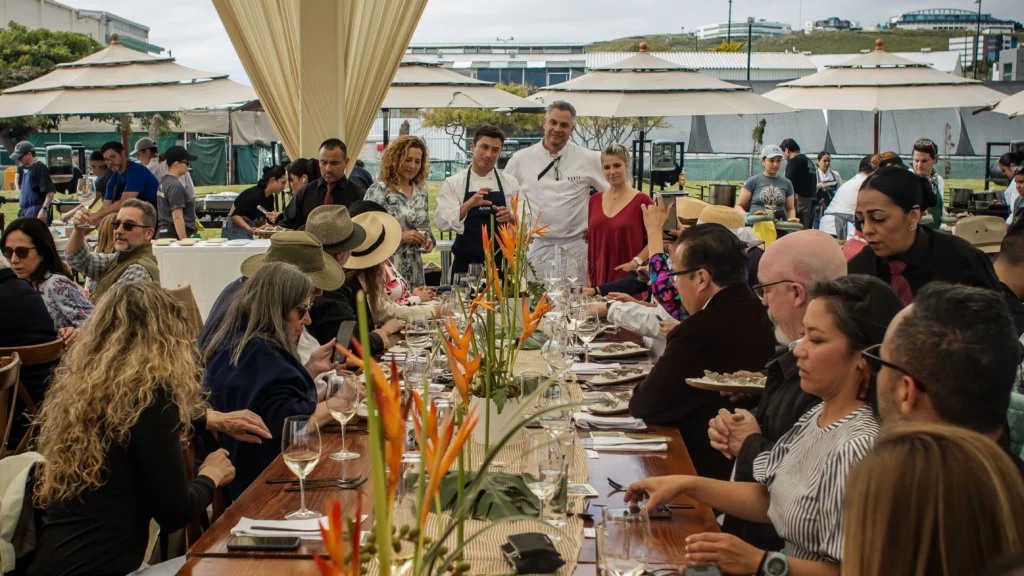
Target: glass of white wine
point(342, 400)
point(587, 327)
point(417, 334)
point(623, 541)
point(300, 447)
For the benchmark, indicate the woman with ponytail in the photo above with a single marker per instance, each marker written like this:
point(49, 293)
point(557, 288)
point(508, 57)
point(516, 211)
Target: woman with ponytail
point(900, 250)
point(245, 212)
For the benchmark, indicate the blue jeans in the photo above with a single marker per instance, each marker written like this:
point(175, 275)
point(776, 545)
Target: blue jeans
point(33, 212)
point(232, 232)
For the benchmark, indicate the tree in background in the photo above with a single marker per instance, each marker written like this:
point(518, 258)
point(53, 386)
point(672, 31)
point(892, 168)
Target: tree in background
point(597, 133)
point(728, 47)
point(28, 54)
point(456, 122)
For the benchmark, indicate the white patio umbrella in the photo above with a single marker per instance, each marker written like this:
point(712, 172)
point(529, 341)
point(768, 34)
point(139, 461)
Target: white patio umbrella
point(644, 86)
point(422, 86)
point(879, 81)
point(1012, 106)
point(119, 80)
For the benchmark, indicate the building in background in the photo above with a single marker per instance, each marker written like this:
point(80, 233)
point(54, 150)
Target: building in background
point(63, 18)
point(990, 47)
point(501, 47)
point(739, 28)
point(1011, 66)
point(832, 24)
point(952, 19)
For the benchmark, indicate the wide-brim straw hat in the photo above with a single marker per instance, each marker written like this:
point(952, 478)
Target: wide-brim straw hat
point(304, 251)
point(986, 233)
point(723, 215)
point(690, 208)
point(334, 228)
point(383, 236)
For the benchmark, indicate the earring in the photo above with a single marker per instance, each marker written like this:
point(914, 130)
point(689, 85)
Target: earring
point(914, 227)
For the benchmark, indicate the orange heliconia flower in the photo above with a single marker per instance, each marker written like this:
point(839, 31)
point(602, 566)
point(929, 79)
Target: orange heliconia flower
point(531, 320)
point(441, 447)
point(334, 543)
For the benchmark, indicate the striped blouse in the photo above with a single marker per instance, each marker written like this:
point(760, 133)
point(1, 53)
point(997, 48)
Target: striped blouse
point(806, 477)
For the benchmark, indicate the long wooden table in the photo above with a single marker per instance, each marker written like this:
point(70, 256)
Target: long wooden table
point(210, 556)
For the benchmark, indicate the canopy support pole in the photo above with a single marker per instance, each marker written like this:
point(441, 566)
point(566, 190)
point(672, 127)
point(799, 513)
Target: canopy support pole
point(876, 131)
point(386, 113)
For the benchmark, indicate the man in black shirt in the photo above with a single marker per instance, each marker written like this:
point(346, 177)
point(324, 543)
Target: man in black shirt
point(804, 176)
point(949, 357)
point(331, 188)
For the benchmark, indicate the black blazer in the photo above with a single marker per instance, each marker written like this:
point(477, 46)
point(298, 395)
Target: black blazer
point(732, 333)
point(312, 195)
point(26, 322)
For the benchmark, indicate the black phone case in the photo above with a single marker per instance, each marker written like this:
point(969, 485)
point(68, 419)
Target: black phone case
point(287, 544)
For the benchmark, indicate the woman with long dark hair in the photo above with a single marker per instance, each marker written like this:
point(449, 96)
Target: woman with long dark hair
point(302, 171)
point(246, 210)
point(29, 246)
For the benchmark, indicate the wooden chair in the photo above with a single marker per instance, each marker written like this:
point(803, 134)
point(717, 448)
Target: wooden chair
point(183, 294)
point(10, 369)
point(32, 356)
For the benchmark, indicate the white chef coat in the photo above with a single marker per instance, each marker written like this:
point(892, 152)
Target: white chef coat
point(845, 203)
point(453, 195)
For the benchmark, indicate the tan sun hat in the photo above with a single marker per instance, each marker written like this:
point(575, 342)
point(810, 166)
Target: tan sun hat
point(305, 252)
point(723, 215)
point(333, 227)
point(383, 236)
point(984, 232)
point(690, 208)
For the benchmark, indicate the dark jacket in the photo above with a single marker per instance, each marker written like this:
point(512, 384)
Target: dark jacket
point(312, 196)
point(781, 405)
point(330, 310)
point(270, 382)
point(219, 310)
point(361, 177)
point(733, 332)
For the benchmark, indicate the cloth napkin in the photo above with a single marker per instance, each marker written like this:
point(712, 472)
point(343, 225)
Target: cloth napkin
point(594, 422)
point(592, 368)
point(308, 529)
point(630, 444)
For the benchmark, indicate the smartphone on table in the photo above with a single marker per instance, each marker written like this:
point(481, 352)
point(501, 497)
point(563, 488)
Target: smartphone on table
point(264, 543)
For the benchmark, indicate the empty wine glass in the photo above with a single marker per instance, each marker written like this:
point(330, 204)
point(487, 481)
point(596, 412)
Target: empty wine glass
point(300, 447)
point(475, 272)
point(342, 400)
point(557, 414)
point(417, 334)
point(587, 327)
point(556, 351)
point(623, 541)
point(543, 470)
point(416, 371)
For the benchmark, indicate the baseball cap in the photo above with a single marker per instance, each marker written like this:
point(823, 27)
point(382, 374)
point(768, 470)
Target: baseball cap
point(143, 144)
point(22, 148)
point(177, 154)
point(771, 151)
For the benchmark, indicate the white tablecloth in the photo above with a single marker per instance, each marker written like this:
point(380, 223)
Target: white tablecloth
point(207, 267)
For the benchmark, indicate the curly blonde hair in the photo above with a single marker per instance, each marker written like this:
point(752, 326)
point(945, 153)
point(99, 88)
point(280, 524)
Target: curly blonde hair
point(136, 342)
point(394, 155)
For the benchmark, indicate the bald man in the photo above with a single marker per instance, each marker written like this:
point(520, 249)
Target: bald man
point(788, 268)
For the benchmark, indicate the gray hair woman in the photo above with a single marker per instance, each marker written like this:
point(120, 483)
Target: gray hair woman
point(252, 363)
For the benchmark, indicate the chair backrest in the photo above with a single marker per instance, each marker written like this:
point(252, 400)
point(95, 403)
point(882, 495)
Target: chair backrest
point(37, 354)
point(183, 294)
point(10, 370)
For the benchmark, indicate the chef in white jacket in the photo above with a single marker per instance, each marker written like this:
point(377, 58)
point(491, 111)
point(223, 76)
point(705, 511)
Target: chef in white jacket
point(556, 176)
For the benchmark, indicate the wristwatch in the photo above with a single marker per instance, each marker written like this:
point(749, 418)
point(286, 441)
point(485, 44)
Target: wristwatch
point(639, 261)
point(775, 564)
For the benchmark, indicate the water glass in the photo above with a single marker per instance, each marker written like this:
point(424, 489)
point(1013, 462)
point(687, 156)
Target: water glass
point(543, 470)
point(342, 399)
point(623, 541)
point(416, 372)
point(417, 334)
point(587, 327)
point(300, 448)
point(557, 417)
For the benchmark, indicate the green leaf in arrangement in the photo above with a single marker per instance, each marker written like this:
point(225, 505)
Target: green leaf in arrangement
point(504, 495)
point(499, 397)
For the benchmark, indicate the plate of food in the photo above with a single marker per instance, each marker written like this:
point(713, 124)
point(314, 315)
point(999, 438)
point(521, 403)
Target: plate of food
point(619, 350)
point(619, 375)
point(607, 408)
point(267, 232)
point(163, 241)
point(727, 382)
point(188, 242)
point(215, 240)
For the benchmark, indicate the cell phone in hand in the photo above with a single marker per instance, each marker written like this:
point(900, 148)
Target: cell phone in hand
point(264, 543)
point(344, 338)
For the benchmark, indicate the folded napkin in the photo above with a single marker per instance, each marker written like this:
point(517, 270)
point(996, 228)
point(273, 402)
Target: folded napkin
point(662, 447)
point(592, 368)
point(594, 422)
point(304, 529)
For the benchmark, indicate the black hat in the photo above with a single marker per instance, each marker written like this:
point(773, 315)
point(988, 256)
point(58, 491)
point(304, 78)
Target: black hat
point(178, 154)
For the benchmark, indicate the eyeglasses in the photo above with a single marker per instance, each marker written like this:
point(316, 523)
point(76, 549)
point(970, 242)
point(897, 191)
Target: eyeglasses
point(303, 310)
point(681, 272)
point(21, 251)
point(759, 288)
point(873, 354)
point(128, 226)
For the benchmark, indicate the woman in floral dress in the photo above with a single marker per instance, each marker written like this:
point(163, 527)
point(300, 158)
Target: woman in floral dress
point(402, 191)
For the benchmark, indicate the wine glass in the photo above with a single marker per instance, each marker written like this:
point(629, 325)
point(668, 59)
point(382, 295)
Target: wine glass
point(86, 191)
point(587, 327)
point(417, 334)
point(416, 371)
point(342, 400)
point(300, 447)
point(556, 351)
point(425, 231)
point(476, 272)
point(543, 470)
point(623, 541)
point(557, 417)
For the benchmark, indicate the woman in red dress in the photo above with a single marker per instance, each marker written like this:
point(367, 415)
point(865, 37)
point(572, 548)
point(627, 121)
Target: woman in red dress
point(616, 237)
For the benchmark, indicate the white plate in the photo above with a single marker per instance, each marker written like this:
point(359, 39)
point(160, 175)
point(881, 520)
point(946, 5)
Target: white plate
point(238, 242)
point(607, 378)
point(188, 242)
point(633, 350)
point(215, 240)
point(163, 241)
point(708, 384)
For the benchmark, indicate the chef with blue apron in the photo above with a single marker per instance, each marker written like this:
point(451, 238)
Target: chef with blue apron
point(469, 199)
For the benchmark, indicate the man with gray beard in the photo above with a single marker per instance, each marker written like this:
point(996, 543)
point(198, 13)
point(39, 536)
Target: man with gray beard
point(788, 269)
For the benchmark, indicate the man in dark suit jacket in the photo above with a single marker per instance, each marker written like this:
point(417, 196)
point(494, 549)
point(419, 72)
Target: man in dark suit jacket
point(728, 330)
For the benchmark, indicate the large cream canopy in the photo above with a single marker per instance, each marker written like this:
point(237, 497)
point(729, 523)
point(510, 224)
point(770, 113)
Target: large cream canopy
point(423, 86)
point(321, 67)
point(119, 80)
point(1012, 106)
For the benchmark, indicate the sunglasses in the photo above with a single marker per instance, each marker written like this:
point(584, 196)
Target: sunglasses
point(873, 355)
point(21, 251)
point(759, 288)
point(128, 226)
point(303, 310)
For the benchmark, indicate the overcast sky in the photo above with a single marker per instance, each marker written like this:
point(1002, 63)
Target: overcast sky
point(192, 31)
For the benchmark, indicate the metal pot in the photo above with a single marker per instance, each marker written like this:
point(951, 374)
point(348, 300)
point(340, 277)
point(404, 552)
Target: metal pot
point(960, 197)
point(985, 196)
point(722, 194)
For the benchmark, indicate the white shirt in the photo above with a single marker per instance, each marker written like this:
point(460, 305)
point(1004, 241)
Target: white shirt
point(159, 169)
point(561, 203)
point(1011, 197)
point(844, 203)
point(642, 320)
point(453, 194)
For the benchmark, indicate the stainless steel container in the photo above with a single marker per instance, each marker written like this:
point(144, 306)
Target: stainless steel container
point(722, 194)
